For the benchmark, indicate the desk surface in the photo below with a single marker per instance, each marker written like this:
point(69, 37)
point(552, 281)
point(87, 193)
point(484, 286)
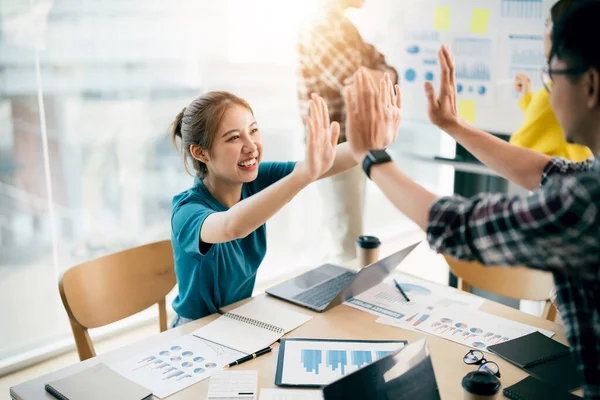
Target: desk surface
point(342, 322)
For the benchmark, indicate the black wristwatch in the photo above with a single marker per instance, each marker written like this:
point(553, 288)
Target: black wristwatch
point(375, 157)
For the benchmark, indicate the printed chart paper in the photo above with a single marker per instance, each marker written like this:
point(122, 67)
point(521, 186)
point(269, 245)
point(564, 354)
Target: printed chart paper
point(176, 365)
point(475, 329)
point(425, 297)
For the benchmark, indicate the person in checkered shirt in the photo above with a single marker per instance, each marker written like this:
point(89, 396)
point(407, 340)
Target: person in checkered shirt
point(330, 52)
point(557, 227)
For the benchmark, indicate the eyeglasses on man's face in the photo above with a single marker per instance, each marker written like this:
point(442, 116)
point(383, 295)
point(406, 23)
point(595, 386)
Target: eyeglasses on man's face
point(548, 73)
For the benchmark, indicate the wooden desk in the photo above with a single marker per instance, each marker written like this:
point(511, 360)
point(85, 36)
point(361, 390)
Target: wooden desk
point(342, 322)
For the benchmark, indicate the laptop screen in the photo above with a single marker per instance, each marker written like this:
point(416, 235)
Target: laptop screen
point(404, 374)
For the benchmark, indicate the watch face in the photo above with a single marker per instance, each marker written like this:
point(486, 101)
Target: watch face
point(379, 155)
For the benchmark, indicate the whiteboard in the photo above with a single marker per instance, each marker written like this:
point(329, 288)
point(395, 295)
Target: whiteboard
point(492, 40)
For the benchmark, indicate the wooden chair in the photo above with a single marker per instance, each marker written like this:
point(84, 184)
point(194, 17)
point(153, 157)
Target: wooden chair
point(518, 283)
point(110, 288)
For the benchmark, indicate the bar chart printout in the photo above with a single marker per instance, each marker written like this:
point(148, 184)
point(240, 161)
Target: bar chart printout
point(319, 362)
point(522, 9)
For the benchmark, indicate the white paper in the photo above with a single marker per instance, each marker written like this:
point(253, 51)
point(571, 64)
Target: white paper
point(290, 394)
point(232, 385)
point(425, 297)
point(475, 329)
point(177, 364)
point(308, 362)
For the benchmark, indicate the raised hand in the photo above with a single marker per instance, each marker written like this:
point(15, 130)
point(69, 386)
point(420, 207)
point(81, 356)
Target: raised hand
point(321, 140)
point(522, 84)
point(373, 115)
point(442, 110)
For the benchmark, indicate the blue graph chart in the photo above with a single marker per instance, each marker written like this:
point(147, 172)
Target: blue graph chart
point(469, 47)
point(522, 8)
point(381, 354)
point(474, 71)
point(311, 360)
point(360, 358)
point(337, 359)
point(527, 50)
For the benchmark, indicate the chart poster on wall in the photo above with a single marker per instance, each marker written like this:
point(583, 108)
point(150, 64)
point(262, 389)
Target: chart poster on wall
point(492, 41)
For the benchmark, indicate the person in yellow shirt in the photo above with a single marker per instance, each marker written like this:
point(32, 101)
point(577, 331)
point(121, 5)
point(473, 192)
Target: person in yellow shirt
point(540, 130)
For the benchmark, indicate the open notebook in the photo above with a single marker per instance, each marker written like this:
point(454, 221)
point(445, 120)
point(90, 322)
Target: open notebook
point(253, 326)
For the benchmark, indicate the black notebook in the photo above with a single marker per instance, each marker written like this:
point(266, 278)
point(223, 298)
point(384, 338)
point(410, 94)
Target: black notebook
point(532, 388)
point(543, 358)
point(530, 350)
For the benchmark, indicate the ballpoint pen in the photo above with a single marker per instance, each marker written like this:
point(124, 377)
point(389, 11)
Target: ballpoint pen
point(401, 291)
point(249, 357)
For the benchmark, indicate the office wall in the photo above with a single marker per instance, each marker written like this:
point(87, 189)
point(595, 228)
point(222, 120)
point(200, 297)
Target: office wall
point(492, 41)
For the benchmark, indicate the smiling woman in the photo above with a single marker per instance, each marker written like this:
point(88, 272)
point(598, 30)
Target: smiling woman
point(218, 226)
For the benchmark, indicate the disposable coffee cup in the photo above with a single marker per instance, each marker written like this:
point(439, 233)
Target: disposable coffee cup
point(481, 385)
point(367, 250)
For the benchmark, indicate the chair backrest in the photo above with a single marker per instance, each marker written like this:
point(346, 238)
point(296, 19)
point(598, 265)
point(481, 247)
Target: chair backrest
point(116, 286)
point(515, 282)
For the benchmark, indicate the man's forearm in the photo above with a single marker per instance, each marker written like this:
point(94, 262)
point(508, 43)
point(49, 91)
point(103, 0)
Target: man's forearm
point(519, 165)
point(410, 198)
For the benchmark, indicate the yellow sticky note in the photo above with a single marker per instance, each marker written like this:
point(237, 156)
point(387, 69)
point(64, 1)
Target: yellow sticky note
point(441, 19)
point(467, 110)
point(480, 20)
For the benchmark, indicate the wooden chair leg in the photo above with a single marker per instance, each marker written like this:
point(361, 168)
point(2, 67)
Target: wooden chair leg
point(162, 315)
point(85, 348)
point(463, 285)
point(550, 311)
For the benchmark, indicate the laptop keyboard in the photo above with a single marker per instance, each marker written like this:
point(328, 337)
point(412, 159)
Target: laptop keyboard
point(323, 293)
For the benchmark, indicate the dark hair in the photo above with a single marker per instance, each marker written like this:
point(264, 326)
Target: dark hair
point(560, 8)
point(575, 34)
point(198, 124)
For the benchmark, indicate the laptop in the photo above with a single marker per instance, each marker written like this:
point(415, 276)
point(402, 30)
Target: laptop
point(325, 287)
point(405, 374)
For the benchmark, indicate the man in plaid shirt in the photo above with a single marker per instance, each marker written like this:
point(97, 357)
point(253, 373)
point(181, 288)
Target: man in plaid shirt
point(330, 51)
point(557, 228)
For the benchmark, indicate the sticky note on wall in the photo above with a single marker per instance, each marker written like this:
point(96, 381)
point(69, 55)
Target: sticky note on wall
point(467, 110)
point(480, 20)
point(441, 18)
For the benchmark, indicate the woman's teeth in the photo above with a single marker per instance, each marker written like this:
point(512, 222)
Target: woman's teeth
point(248, 163)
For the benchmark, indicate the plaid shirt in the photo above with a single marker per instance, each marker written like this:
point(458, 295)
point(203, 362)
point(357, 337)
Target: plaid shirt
point(556, 229)
point(330, 50)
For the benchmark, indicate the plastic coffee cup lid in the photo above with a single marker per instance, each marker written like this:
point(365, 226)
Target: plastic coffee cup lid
point(481, 383)
point(368, 242)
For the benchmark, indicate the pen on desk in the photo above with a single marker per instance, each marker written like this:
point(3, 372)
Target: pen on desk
point(249, 357)
point(401, 291)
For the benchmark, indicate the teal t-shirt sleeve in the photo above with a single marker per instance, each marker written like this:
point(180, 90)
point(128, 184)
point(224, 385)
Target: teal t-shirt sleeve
point(271, 172)
point(186, 225)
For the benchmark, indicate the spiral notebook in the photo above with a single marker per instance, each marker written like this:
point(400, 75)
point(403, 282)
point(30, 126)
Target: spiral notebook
point(543, 358)
point(253, 326)
point(529, 350)
point(532, 388)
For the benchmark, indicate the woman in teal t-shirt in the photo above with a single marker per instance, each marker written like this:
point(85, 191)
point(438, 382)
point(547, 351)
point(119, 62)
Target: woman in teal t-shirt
point(218, 226)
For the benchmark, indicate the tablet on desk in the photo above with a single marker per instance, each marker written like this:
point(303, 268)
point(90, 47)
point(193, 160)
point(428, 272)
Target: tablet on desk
point(318, 362)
